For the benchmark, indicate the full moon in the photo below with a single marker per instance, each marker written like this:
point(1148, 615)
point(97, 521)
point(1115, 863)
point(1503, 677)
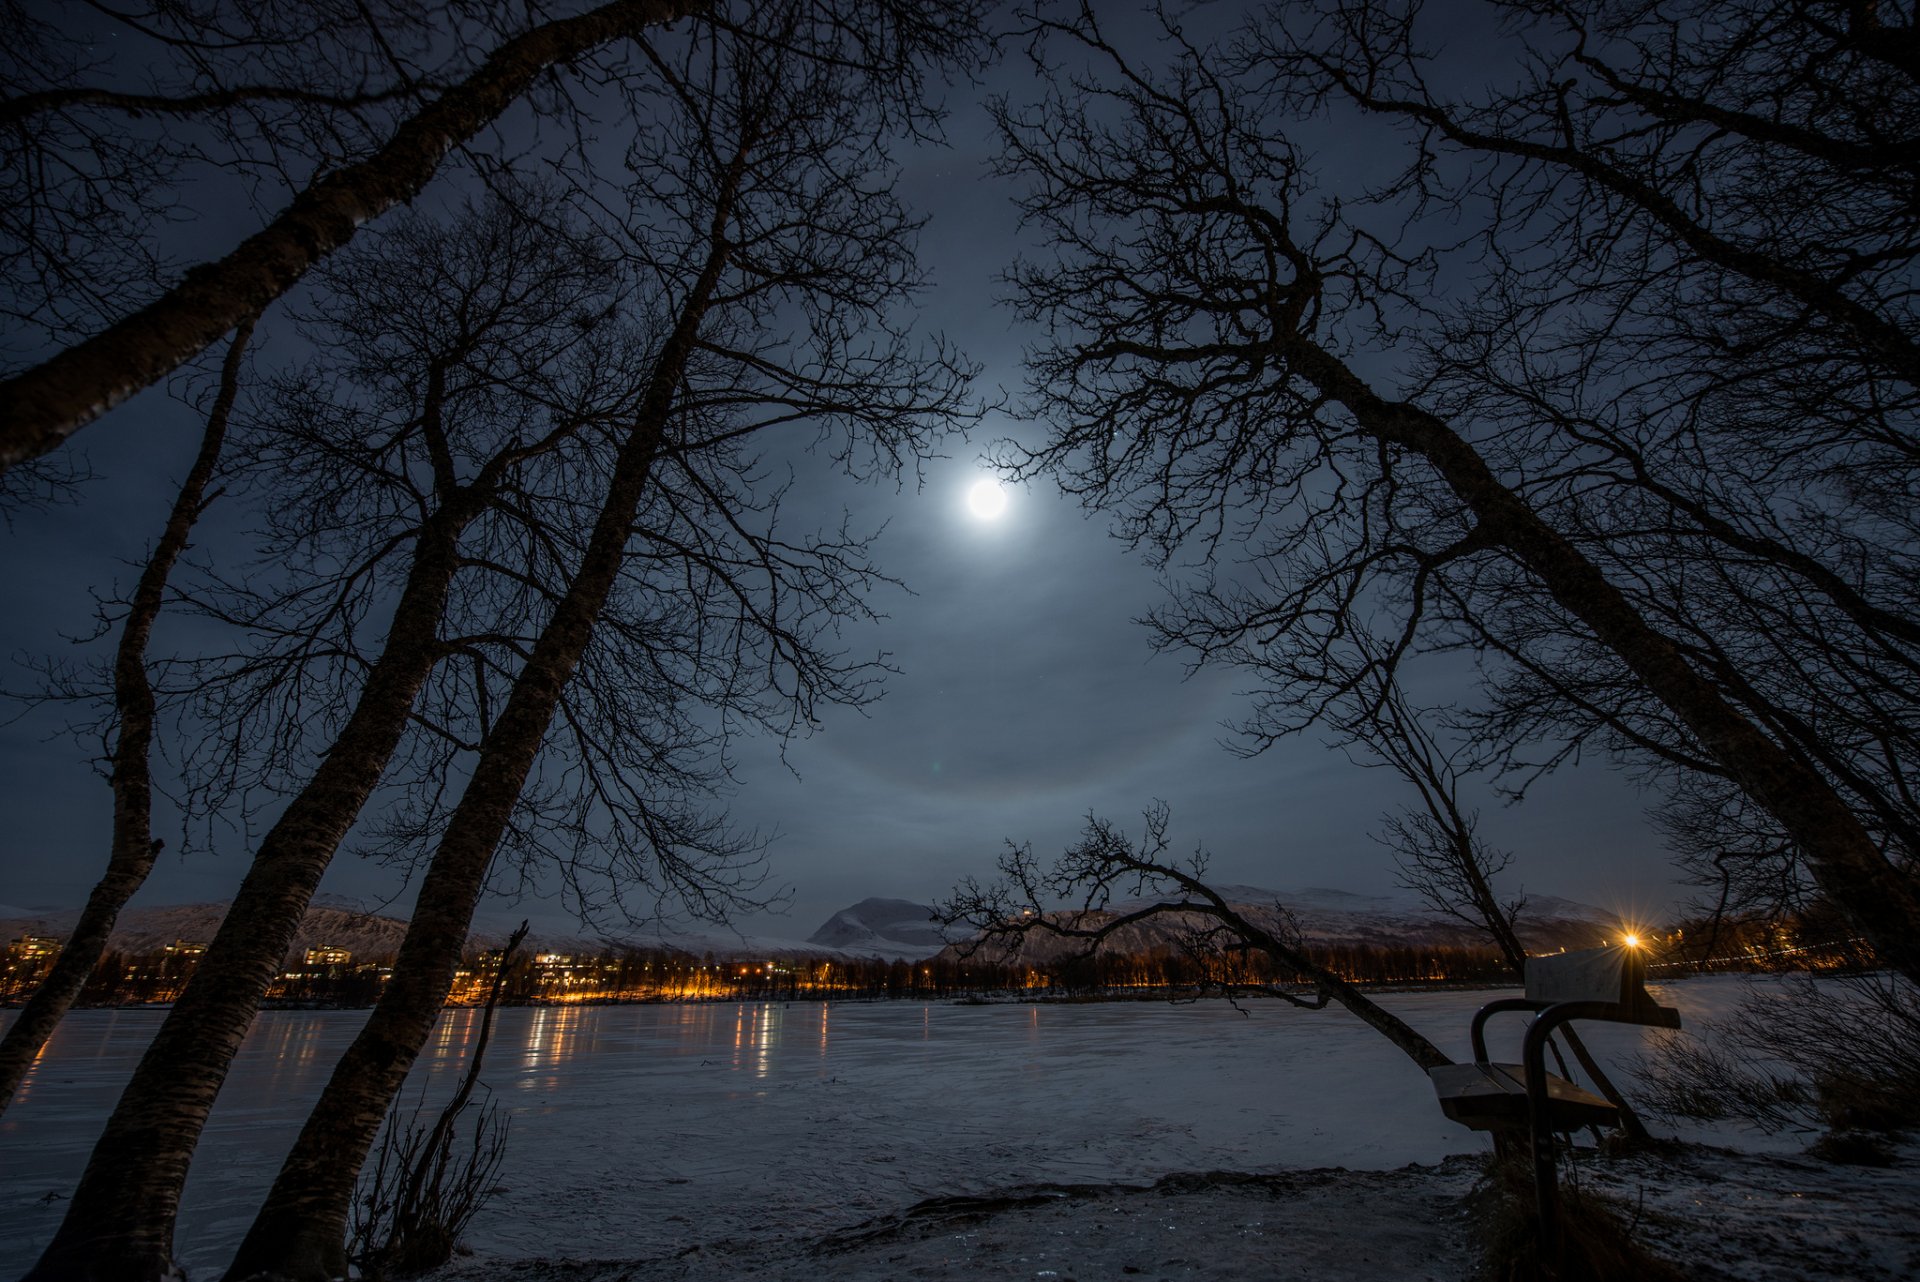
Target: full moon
point(986, 499)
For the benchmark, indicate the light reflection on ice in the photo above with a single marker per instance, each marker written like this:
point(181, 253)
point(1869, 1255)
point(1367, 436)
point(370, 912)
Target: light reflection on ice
point(642, 1129)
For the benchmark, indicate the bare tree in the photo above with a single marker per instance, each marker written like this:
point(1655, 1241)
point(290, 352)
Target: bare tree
point(1199, 301)
point(1696, 345)
point(1104, 875)
point(425, 504)
point(351, 109)
point(110, 114)
point(765, 202)
point(461, 385)
point(64, 392)
point(1436, 844)
point(134, 846)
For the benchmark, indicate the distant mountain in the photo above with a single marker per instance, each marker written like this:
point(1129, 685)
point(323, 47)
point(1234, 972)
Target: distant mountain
point(1341, 917)
point(721, 941)
point(883, 928)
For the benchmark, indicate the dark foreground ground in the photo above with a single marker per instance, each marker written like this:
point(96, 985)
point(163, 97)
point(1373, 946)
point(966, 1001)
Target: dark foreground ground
point(1722, 1216)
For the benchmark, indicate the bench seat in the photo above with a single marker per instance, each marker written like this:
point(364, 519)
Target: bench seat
point(1493, 1097)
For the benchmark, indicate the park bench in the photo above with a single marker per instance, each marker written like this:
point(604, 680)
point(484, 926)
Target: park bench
point(1607, 984)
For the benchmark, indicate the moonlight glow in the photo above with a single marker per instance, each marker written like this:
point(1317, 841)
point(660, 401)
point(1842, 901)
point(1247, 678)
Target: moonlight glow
point(986, 499)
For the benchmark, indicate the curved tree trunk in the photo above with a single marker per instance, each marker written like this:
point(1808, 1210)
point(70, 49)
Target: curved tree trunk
point(133, 848)
point(1413, 1044)
point(1206, 901)
point(300, 1233)
point(1878, 898)
point(119, 1226)
point(43, 406)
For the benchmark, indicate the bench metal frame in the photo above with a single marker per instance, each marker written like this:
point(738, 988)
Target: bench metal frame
point(1634, 1006)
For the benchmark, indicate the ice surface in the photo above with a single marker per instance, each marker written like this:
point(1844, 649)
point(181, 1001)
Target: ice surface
point(639, 1130)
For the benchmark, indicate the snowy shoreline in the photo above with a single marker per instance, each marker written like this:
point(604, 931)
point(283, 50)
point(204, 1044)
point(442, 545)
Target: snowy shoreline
point(1723, 1215)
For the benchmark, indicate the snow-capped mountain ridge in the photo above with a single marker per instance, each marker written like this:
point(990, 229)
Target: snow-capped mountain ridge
point(883, 928)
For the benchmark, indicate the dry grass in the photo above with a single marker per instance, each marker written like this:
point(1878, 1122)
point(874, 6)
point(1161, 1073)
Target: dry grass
point(1843, 1053)
point(1597, 1234)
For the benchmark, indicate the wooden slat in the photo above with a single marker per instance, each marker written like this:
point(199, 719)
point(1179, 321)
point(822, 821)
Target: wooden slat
point(1493, 1097)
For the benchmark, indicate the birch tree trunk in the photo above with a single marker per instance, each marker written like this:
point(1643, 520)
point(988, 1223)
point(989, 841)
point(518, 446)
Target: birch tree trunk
point(119, 1224)
point(299, 1235)
point(133, 849)
point(1878, 898)
point(42, 406)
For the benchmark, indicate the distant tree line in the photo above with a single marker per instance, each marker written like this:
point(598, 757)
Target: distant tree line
point(1813, 941)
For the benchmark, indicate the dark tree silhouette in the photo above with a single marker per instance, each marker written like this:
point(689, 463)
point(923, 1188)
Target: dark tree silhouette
point(134, 846)
point(419, 1197)
point(1693, 347)
point(1107, 868)
point(1201, 306)
point(764, 201)
point(64, 392)
point(353, 109)
point(101, 149)
point(464, 378)
point(1436, 844)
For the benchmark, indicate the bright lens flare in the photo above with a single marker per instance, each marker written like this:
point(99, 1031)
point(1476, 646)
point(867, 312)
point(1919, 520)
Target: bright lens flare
point(986, 499)
point(1633, 941)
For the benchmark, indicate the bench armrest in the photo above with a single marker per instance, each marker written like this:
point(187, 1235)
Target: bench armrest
point(1477, 1030)
point(1534, 1049)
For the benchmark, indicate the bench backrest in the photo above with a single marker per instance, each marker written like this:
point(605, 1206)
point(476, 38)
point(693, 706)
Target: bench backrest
point(1591, 975)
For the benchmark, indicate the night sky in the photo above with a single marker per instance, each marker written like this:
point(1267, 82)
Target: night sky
point(1027, 695)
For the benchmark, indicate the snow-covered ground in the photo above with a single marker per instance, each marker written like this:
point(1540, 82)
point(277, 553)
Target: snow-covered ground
point(745, 1140)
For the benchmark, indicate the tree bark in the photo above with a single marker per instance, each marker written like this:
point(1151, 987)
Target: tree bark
point(119, 1226)
point(43, 406)
point(1411, 1043)
point(133, 849)
point(1881, 901)
point(299, 1234)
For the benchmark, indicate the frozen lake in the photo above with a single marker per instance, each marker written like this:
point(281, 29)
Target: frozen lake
point(641, 1129)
